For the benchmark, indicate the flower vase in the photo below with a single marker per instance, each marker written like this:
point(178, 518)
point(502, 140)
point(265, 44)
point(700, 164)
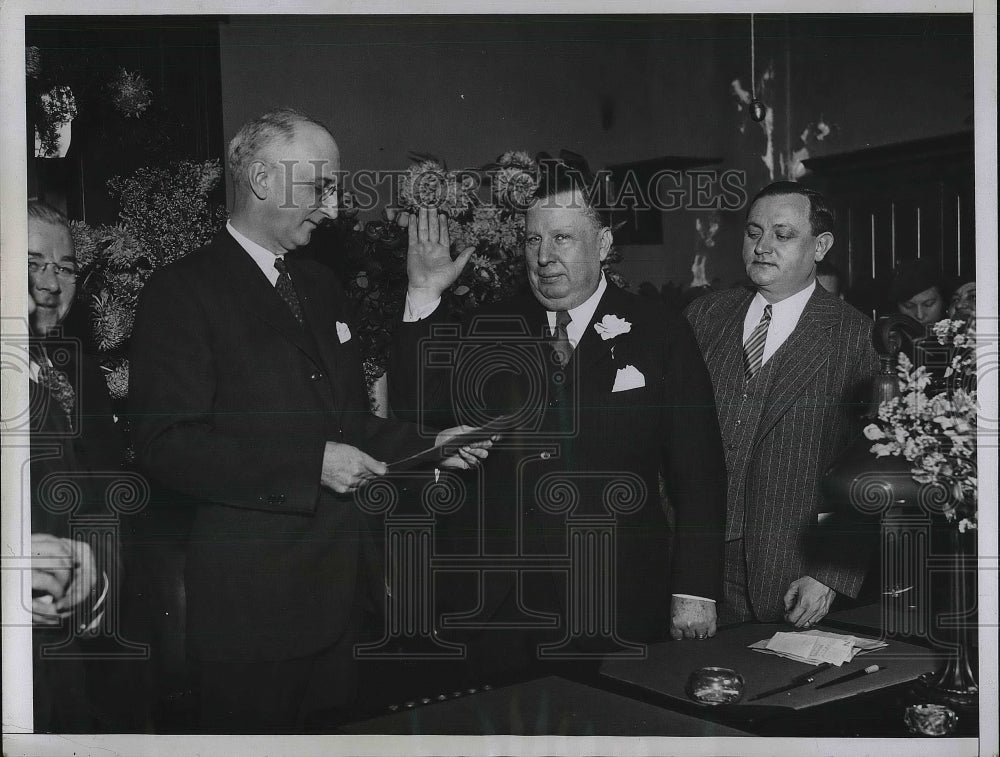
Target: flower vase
point(954, 682)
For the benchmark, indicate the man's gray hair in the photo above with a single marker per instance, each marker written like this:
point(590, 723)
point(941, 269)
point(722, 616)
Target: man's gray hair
point(258, 133)
point(42, 212)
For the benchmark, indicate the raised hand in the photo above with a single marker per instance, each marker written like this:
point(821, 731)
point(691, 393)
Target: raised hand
point(429, 266)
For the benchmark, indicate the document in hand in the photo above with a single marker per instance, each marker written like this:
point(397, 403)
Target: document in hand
point(816, 647)
point(436, 453)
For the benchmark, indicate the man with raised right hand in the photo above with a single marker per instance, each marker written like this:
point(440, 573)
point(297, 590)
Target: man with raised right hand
point(611, 393)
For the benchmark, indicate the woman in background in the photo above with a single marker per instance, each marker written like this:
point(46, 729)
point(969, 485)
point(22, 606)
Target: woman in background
point(918, 290)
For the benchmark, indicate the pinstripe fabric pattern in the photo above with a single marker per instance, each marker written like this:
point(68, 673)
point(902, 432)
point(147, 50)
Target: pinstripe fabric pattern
point(753, 350)
point(782, 432)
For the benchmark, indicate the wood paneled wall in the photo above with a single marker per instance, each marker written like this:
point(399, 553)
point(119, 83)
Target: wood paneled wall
point(901, 202)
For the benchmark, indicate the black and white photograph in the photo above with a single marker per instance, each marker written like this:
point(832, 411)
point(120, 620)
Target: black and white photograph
point(524, 378)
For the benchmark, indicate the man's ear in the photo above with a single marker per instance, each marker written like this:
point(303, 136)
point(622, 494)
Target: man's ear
point(824, 243)
point(258, 179)
point(607, 239)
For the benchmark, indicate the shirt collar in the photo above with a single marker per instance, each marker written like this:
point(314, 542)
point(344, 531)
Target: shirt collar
point(789, 308)
point(263, 257)
point(581, 314)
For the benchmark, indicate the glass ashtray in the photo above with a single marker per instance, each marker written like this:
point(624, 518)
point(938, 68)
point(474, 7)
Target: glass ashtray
point(930, 719)
point(715, 686)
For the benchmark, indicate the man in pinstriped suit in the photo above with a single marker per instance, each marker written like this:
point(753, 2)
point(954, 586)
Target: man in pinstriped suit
point(790, 365)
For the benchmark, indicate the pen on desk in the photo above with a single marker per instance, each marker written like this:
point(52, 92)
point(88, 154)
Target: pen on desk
point(851, 676)
point(800, 680)
point(810, 676)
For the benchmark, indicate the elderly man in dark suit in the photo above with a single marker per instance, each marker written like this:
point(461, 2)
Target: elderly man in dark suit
point(790, 363)
point(249, 397)
point(604, 385)
point(74, 442)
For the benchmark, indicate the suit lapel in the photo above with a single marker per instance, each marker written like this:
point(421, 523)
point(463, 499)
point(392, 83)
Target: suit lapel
point(591, 361)
point(256, 294)
point(798, 360)
point(724, 357)
point(320, 312)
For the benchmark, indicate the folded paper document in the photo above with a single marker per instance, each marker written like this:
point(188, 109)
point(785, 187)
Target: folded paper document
point(816, 647)
point(436, 453)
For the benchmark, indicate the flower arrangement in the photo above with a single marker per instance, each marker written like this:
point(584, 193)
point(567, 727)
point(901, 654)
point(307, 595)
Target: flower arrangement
point(166, 212)
point(372, 262)
point(130, 93)
point(57, 108)
point(932, 424)
point(495, 228)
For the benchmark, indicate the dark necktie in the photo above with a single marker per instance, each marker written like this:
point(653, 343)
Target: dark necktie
point(562, 349)
point(753, 350)
point(286, 290)
point(57, 383)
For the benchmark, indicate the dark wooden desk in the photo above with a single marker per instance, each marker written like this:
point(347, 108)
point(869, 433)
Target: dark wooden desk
point(894, 618)
point(869, 706)
point(646, 697)
point(545, 706)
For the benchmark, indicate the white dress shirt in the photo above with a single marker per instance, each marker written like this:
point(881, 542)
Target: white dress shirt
point(263, 257)
point(784, 317)
point(581, 315)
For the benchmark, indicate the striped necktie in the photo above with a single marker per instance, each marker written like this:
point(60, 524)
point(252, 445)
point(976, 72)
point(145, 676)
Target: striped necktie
point(753, 350)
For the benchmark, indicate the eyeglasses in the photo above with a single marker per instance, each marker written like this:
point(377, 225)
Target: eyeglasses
point(326, 189)
point(327, 192)
point(63, 272)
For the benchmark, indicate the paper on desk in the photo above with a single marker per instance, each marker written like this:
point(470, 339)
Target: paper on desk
point(816, 647)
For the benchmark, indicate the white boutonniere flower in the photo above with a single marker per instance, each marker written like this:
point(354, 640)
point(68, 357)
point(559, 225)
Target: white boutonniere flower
point(612, 326)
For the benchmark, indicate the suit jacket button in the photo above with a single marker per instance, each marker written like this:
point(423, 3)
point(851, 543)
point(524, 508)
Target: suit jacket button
point(545, 455)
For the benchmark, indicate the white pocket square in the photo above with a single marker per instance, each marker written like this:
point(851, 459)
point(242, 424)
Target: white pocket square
point(627, 378)
point(343, 333)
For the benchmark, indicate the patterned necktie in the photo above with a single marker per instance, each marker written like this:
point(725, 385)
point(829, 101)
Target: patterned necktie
point(753, 350)
point(58, 385)
point(562, 349)
point(286, 290)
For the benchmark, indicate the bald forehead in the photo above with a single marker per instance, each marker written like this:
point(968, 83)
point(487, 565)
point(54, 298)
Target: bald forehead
point(46, 238)
point(307, 142)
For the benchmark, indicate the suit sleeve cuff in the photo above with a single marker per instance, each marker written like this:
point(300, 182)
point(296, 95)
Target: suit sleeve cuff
point(413, 313)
